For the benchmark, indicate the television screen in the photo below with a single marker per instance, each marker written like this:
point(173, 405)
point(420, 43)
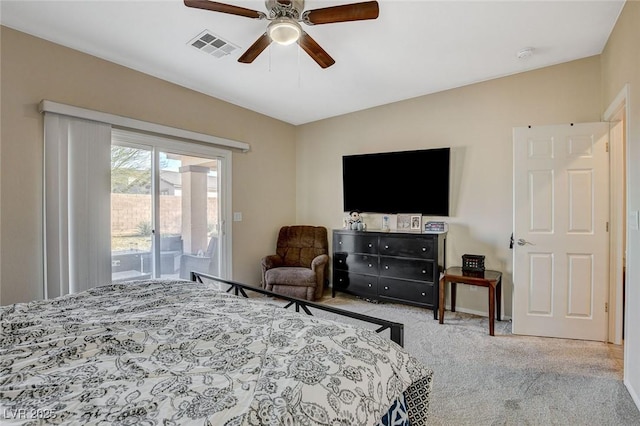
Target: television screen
point(397, 182)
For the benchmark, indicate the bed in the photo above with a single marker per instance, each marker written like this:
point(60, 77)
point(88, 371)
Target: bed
point(182, 352)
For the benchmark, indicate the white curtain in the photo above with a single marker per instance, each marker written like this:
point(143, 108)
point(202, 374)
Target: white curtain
point(77, 191)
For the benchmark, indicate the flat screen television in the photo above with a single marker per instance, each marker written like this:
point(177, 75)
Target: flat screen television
point(397, 182)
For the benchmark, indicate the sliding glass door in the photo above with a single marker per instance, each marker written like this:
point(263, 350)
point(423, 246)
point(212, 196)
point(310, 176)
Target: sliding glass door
point(167, 211)
point(188, 215)
point(131, 212)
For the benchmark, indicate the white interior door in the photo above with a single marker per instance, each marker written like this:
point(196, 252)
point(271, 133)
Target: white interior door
point(561, 208)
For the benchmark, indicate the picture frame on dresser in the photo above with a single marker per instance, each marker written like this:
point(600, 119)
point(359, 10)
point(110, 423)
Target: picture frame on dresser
point(404, 222)
point(416, 221)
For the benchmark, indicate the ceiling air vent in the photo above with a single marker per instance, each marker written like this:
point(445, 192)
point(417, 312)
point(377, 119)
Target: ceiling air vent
point(210, 43)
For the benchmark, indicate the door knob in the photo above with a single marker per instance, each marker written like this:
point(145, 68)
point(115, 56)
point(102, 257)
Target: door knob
point(522, 242)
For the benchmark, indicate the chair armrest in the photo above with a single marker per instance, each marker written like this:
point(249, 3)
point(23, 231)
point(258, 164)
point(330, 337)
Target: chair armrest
point(271, 261)
point(320, 266)
point(319, 262)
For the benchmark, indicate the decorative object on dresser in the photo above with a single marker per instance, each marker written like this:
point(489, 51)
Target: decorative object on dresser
point(354, 221)
point(386, 226)
point(432, 226)
point(404, 221)
point(416, 221)
point(391, 266)
point(301, 264)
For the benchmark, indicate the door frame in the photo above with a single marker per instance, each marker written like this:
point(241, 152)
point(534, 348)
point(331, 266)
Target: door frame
point(619, 161)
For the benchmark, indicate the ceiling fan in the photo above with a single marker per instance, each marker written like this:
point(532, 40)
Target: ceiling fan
point(285, 17)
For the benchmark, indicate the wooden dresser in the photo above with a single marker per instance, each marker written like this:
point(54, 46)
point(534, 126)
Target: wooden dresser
point(391, 266)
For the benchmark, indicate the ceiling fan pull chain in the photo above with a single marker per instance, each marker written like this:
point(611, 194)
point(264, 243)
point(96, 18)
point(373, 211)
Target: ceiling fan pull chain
point(299, 78)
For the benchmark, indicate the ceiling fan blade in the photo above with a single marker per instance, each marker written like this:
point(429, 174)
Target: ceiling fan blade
point(256, 49)
point(315, 51)
point(214, 6)
point(344, 13)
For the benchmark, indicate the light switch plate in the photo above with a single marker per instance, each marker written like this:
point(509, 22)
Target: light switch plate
point(237, 216)
point(633, 220)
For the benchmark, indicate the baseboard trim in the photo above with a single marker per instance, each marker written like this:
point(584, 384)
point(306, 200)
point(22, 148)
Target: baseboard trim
point(474, 312)
point(632, 392)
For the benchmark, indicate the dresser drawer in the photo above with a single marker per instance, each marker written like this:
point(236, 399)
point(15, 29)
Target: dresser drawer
point(411, 269)
point(359, 263)
point(360, 243)
point(365, 285)
point(421, 293)
point(422, 247)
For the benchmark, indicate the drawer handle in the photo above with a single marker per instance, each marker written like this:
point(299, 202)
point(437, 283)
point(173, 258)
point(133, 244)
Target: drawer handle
point(340, 280)
point(370, 245)
point(369, 285)
point(386, 247)
point(424, 271)
point(339, 261)
point(370, 265)
point(424, 249)
point(386, 288)
point(386, 266)
point(340, 242)
point(424, 294)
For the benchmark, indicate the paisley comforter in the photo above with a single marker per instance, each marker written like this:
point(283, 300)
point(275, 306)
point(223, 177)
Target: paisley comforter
point(177, 352)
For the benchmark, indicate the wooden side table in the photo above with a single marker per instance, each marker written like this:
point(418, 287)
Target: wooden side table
point(490, 279)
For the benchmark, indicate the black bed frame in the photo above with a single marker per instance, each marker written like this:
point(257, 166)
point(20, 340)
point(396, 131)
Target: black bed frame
point(396, 329)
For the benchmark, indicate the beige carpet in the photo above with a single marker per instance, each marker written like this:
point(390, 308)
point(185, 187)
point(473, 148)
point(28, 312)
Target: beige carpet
point(507, 379)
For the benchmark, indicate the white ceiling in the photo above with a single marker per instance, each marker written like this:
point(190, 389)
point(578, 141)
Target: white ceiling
point(414, 48)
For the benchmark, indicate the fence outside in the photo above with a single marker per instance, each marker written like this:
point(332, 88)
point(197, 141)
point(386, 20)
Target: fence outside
point(132, 212)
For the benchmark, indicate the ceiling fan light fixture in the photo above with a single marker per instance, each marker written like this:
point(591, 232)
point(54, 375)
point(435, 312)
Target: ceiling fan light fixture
point(284, 31)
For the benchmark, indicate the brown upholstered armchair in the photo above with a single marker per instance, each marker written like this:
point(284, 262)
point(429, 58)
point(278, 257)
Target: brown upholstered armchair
point(301, 264)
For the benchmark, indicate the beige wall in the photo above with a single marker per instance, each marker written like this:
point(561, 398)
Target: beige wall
point(34, 69)
point(620, 66)
point(476, 122)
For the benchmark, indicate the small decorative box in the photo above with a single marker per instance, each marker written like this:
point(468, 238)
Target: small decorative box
point(472, 263)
